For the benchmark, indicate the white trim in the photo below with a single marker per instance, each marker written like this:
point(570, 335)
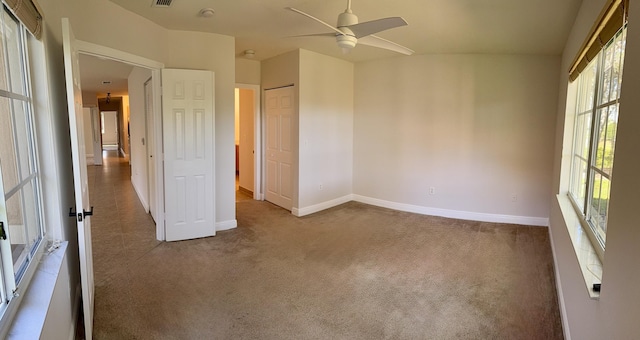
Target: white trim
point(142, 198)
point(95, 50)
point(90, 160)
point(463, 215)
point(226, 225)
point(563, 308)
point(299, 212)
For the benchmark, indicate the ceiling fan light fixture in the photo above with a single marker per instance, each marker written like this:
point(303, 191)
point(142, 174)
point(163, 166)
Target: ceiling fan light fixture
point(207, 12)
point(346, 42)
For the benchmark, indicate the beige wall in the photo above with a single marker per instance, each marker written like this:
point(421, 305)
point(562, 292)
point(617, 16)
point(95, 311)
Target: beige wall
point(325, 131)
point(477, 128)
point(247, 71)
point(614, 315)
point(137, 125)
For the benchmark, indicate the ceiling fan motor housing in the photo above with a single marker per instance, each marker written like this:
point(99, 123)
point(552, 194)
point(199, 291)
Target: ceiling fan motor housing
point(348, 40)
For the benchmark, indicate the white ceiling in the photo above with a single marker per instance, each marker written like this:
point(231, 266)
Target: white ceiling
point(435, 26)
point(93, 71)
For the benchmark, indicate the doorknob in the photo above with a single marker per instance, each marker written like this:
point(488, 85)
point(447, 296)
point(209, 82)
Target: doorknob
point(88, 213)
point(3, 234)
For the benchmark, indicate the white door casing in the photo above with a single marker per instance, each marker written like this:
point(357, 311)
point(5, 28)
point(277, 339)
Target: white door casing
point(188, 136)
point(279, 106)
point(81, 188)
point(150, 145)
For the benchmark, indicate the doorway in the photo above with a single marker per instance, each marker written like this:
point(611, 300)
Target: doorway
point(109, 130)
point(248, 141)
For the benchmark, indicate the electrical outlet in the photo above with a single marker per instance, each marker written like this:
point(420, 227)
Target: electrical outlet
point(514, 197)
point(320, 187)
point(432, 191)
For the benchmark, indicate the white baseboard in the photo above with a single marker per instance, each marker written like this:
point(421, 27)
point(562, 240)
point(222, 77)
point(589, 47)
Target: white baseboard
point(463, 215)
point(142, 199)
point(321, 206)
point(226, 225)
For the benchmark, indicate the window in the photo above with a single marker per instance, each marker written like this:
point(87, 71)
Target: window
point(22, 229)
point(596, 119)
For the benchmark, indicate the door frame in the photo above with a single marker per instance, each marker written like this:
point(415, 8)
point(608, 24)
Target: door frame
point(258, 187)
point(104, 52)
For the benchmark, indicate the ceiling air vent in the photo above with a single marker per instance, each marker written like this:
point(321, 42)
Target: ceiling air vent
point(161, 3)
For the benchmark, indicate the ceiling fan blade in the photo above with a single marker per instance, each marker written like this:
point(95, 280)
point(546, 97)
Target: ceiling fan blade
point(375, 41)
point(330, 35)
point(314, 18)
point(366, 28)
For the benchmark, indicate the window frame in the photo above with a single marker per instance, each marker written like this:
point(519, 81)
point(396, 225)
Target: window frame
point(15, 281)
point(583, 206)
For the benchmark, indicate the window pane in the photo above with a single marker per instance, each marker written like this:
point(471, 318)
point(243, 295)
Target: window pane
point(605, 79)
point(3, 73)
point(14, 53)
point(17, 233)
point(587, 88)
point(33, 225)
point(22, 138)
point(599, 206)
point(8, 155)
point(610, 140)
point(579, 181)
point(600, 136)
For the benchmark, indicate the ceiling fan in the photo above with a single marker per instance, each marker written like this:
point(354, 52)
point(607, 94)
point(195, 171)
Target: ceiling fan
point(349, 32)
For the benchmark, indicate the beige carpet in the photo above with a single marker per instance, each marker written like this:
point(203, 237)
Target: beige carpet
point(351, 272)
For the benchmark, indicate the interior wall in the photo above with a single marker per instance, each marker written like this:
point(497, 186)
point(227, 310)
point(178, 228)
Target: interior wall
point(613, 316)
point(247, 71)
point(478, 129)
point(89, 99)
point(325, 131)
point(88, 134)
point(246, 125)
point(138, 139)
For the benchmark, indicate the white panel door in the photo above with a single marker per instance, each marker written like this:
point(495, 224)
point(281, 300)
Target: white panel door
point(279, 176)
point(188, 136)
point(81, 188)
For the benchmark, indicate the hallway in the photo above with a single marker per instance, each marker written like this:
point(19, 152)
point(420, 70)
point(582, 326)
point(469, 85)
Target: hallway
point(121, 230)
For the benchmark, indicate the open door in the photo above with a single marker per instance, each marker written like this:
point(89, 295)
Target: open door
point(83, 210)
point(188, 137)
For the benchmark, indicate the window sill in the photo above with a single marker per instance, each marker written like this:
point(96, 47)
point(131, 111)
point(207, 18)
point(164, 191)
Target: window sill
point(590, 264)
point(32, 311)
